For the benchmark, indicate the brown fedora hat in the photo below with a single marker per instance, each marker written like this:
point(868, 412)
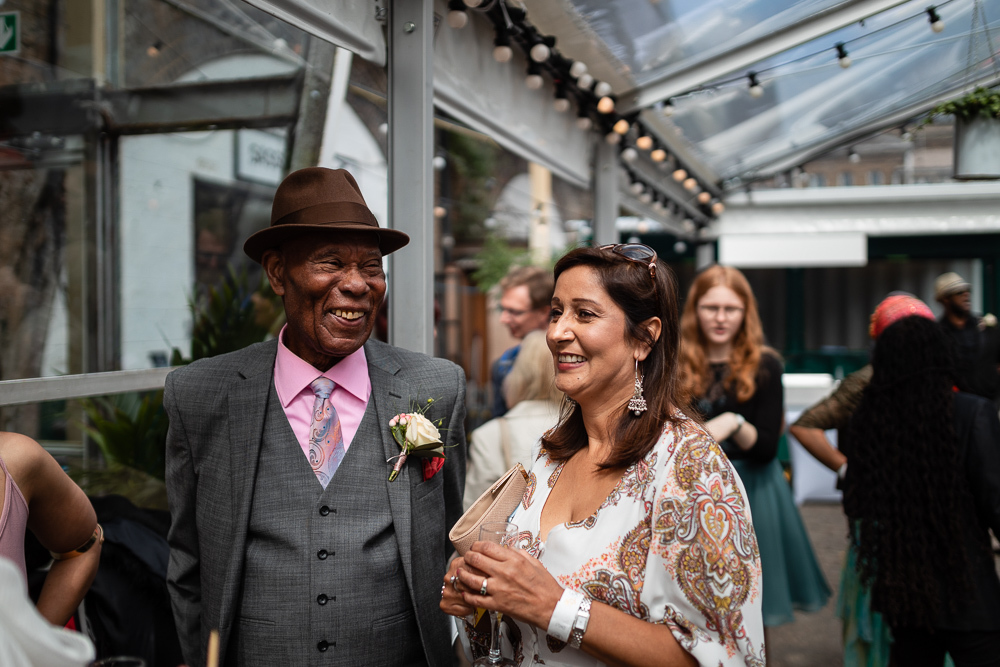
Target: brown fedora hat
point(317, 200)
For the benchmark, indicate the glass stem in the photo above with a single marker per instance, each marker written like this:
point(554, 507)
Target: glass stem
point(495, 637)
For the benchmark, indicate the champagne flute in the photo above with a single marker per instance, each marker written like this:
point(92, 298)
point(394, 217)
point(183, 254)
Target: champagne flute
point(503, 533)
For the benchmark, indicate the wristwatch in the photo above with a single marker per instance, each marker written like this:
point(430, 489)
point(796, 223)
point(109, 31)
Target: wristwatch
point(580, 624)
point(740, 421)
point(96, 538)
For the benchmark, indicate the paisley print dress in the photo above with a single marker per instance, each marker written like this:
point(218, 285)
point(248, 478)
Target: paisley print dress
point(673, 543)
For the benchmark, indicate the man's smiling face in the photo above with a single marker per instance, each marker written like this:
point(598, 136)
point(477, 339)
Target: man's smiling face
point(332, 287)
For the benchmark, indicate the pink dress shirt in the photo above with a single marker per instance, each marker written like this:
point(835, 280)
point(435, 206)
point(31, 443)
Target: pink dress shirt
point(352, 387)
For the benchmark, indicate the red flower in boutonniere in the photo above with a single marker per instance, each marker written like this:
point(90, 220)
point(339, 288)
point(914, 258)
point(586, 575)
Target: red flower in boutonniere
point(417, 435)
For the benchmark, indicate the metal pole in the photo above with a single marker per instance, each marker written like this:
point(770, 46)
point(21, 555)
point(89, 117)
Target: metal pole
point(605, 193)
point(411, 178)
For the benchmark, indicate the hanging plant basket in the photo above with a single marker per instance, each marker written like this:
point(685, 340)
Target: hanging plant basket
point(977, 148)
point(977, 133)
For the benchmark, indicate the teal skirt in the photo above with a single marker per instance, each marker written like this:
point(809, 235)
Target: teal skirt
point(792, 578)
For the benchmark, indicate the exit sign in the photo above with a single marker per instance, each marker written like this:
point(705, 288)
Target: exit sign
point(10, 33)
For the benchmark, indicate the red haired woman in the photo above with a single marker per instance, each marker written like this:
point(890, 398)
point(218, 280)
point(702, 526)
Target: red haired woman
point(736, 384)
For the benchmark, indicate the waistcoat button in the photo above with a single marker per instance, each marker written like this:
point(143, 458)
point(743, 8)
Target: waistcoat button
point(324, 510)
point(323, 645)
point(321, 599)
point(322, 554)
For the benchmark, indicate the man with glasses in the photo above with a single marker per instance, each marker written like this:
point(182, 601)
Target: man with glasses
point(525, 300)
point(975, 340)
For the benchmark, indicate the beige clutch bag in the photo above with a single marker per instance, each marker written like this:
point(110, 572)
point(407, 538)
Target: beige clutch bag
point(496, 504)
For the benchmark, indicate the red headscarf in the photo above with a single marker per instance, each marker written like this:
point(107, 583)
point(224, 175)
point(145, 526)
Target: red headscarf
point(895, 307)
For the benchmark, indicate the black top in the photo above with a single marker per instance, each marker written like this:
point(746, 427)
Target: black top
point(765, 409)
point(978, 431)
point(976, 349)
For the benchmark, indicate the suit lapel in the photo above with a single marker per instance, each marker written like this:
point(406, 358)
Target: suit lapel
point(248, 399)
point(391, 396)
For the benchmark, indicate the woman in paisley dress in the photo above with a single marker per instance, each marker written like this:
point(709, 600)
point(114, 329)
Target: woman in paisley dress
point(736, 380)
point(631, 507)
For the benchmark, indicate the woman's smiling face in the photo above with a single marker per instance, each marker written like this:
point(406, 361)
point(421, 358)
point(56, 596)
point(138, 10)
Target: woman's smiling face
point(594, 361)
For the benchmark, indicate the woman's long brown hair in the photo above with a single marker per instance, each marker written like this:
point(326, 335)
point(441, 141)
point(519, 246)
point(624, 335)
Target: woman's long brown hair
point(747, 345)
point(631, 288)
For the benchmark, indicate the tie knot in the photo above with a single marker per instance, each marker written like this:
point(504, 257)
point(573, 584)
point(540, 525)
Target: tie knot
point(322, 387)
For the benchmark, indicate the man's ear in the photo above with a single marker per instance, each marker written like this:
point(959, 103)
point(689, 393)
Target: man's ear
point(273, 262)
point(653, 326)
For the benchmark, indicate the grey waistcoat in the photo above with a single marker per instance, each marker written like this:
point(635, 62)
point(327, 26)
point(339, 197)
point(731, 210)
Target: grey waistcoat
point(323, 582)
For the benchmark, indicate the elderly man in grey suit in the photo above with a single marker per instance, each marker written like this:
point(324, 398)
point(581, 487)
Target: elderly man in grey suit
point(287, 535)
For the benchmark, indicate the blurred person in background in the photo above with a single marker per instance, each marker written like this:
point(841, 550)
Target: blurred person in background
point(37, 494)
point(736, 384)
point(866, 637)
point(975, 339)
point(525, 300)
point(531, 393)
point(923, 487)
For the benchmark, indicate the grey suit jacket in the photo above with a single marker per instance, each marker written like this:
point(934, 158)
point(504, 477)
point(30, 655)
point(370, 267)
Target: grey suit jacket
point(216, 411)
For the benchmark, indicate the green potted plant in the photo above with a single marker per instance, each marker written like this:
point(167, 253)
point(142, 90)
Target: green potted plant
point(977, 133)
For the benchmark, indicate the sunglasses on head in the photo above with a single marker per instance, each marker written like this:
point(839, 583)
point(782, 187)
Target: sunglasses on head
point(636, 252)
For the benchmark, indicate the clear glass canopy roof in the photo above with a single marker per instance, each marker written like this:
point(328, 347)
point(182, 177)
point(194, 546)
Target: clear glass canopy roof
point(899, 68)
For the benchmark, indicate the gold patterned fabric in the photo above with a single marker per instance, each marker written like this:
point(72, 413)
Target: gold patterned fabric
point(673, 544)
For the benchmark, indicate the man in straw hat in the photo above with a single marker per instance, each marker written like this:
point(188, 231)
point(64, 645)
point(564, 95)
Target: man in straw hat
point(287, 535)
point(975, 340)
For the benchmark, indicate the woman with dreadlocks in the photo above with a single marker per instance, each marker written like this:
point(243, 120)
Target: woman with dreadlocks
point(924, 487)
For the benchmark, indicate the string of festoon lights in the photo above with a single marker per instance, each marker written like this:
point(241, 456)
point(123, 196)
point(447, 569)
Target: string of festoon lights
point(755, 83)
point(595, 109)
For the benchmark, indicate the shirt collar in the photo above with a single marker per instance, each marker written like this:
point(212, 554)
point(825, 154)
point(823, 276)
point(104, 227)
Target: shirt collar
point(292, 374)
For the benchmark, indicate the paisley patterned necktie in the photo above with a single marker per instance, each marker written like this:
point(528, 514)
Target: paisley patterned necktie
point(326, 442)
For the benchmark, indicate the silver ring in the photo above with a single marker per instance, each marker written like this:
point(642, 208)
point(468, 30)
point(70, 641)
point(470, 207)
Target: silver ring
point(454, 582)
point(442, 589)
point(482, 589)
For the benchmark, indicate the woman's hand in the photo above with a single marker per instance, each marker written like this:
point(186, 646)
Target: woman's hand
point(728, 426)
point(518, 585)
point(452, 602)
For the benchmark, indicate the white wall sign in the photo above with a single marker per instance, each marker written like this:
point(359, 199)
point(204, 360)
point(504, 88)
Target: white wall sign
point(757, 251)
point(260, 157)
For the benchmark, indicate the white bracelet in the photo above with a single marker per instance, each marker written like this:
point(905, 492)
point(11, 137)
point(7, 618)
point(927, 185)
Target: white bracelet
point(564, 615)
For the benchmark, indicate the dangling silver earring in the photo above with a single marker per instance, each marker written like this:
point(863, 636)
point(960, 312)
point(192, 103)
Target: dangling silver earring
point(638, 402)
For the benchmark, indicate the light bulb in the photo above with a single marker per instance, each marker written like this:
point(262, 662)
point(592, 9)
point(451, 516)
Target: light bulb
point(845, 62)
point(621, 127)
point(457, 19)
point(561, 104)
point(637, 188)
point(584, 123)
point(688, 225)
point(704, 197)
point(668, 109)
point(613, 138)
point(718, 207)
point(680, 247)
point(629, 154)
point(533, 81)
point(502, 53)
point(577, 69)
point(540, 52)
point(645, 142)
point(659, 155)
point(585, 80)
point(937, 26)
point(756, 91)
point(680, 175)
point(690, 184)
point(605, 105)
point(439, 162)
point(602, 89)
point(440, 211)
point(645, 197)
point(853, 157)
point(472, 4)
point(842, 57)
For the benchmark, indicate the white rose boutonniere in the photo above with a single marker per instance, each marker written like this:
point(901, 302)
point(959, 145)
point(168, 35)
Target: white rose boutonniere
point(418, 436)
point(987, 321)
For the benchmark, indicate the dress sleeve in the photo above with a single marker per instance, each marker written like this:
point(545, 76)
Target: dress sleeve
point(983, 464)
point(835, 410)
point(703, 574)
point(769, 413)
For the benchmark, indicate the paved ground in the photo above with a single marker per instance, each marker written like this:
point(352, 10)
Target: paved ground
point(813, 640)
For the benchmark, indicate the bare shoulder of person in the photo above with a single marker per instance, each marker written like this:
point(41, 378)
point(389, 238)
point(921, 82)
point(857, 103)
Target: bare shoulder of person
point(26, 460)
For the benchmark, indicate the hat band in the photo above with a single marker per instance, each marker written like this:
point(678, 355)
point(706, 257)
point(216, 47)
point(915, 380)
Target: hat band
point(329, 213)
